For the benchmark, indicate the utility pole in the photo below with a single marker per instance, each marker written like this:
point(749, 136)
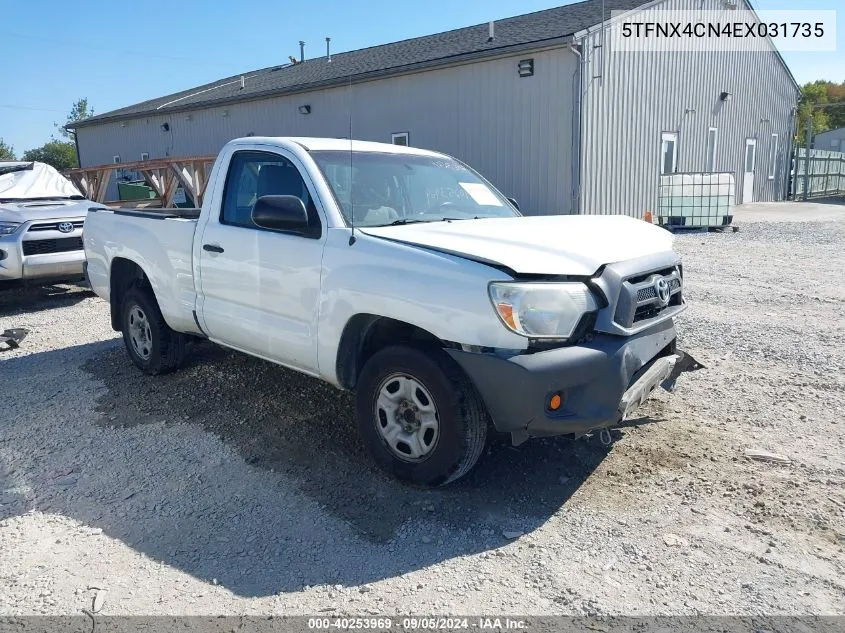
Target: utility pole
point(807, 158)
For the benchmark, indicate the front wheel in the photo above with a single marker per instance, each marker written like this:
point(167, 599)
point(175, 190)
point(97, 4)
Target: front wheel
point(152, 345)
point(419, 416)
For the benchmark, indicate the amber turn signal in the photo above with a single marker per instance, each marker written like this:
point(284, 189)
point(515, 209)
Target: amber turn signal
point(506, 312)
point(554, 402)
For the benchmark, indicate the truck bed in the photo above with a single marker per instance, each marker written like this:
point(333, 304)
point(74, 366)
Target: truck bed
point(162, 250)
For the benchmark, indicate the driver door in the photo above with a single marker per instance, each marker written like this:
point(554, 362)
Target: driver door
point(261, 287)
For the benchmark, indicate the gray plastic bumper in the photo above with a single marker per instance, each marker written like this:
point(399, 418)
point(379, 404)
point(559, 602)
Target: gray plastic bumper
point(600, 382)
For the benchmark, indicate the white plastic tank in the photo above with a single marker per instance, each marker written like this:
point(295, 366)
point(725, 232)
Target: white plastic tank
point(696, 199)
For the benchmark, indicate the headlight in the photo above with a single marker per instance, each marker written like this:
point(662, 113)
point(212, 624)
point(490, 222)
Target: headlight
point(542, 310)
point(7, 228)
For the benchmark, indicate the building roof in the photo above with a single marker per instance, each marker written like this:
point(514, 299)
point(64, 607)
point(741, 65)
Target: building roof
point(431, 50)
point(320, 144)
point(840, 131)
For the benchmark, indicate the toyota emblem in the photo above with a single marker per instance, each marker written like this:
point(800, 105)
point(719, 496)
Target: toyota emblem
point(661, 287)
point(66, 227)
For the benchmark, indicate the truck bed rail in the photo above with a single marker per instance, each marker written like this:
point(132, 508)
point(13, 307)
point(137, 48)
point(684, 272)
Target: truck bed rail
point(153, 214)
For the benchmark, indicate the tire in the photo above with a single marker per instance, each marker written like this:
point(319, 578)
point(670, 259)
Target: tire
point(158, 350)
point(461, 418)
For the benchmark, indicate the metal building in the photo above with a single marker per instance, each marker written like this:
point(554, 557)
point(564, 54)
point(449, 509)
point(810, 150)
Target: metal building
point(832, 140)
point(540, 104)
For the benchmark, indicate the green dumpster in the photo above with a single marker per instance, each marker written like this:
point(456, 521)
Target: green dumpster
point(134, 191)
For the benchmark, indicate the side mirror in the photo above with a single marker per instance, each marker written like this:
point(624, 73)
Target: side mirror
point(514, 203)
point(280, 213)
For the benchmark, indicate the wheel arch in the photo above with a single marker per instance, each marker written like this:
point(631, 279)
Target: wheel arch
point(365, 334)
point(124, 274)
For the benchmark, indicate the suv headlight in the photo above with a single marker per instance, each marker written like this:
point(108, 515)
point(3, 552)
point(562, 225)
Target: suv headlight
point(542, 310)
point(7, 228)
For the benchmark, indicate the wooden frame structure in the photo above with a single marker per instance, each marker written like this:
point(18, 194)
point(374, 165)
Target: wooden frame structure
point(163, 175)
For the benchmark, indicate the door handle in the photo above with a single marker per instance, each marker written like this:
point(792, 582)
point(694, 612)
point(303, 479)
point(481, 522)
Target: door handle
point(212, 248)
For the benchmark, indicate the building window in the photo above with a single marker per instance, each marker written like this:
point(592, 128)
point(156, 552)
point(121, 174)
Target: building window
point(400, 138)
point(773, 157)
point(712, 135)
point(668, 152)
point(145, 156)
point(116, 159)
point(750, 155)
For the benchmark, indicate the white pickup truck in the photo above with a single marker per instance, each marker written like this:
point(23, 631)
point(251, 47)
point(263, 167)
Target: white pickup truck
point(404, 276)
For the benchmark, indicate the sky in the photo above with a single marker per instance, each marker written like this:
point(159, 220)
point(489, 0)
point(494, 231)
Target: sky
point(54, 52)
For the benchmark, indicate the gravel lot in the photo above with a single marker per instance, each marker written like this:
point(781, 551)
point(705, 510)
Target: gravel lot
point(235, 486)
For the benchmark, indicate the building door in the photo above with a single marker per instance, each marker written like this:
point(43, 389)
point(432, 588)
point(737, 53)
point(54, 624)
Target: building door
point(748, 170)
point(668, 152)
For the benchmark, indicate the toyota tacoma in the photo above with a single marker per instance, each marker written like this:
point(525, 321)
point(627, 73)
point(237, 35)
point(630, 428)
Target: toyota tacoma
point(401, 275)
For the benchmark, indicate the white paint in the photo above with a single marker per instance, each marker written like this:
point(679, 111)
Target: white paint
point(773, 156)
point(748, 166)
point(553, 245)
point(288, 298)
point(668, 152)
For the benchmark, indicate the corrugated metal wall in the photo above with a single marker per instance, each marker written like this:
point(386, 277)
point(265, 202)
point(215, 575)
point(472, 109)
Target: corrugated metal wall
point(646, 93)
point(832, 140)
point(516, 131)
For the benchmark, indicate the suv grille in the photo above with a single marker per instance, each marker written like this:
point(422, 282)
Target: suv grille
point(54, 226)
point(61, 245)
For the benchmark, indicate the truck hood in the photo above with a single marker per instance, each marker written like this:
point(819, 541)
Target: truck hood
point(575, 245)
point(35, 210)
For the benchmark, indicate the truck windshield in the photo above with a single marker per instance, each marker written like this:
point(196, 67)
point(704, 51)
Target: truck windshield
point(379, 189)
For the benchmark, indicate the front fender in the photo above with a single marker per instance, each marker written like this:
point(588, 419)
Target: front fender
point(443, 294)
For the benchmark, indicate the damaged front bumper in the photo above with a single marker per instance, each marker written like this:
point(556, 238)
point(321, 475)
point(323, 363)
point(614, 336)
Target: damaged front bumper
point(599, 383)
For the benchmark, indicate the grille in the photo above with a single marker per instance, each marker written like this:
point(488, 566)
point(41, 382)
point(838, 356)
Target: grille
point(638, 300)
point(54, 226)
point(644, 313)
point(644, 277)
point(644, 294)
point(61, 245)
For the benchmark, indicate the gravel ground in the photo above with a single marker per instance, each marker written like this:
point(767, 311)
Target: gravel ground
point(235, 486)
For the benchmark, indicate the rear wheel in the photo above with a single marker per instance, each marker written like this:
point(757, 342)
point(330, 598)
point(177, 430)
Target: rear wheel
point(419, 416)
point(152, 345)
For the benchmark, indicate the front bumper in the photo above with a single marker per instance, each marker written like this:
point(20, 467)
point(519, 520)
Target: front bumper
point(599, 383)
point(15, 265)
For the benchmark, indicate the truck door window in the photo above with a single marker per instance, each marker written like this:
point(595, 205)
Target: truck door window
point(255, 174)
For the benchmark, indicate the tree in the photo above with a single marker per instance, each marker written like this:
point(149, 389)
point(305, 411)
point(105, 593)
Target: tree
point(813, 95)
point(59, 154)
point(79, 111)
point(823, 102)
point(7, 152)
point(836, 95)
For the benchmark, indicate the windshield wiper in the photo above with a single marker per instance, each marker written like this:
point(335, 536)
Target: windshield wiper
point(413, 221)
point(406, 221)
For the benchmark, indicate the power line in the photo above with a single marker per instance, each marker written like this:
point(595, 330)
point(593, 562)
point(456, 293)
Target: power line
point(20, 107)
point(110, 49)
